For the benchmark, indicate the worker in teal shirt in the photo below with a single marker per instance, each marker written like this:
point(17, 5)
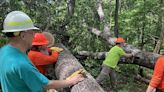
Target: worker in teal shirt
point(17, 73)
point(111, 61)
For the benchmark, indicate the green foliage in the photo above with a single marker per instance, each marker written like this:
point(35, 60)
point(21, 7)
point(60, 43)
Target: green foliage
point(137, 19)
point(3, 40)
point(92, 66)
point(134, 17)
point(128, 69)
point(85, 16)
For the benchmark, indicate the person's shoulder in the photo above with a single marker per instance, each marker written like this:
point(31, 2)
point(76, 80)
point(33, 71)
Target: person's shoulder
point(161, 58)
point(5, 46)
point(117, 47)
point(24, 63)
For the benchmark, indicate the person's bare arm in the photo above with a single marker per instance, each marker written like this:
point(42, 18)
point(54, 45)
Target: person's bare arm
point(150, 89)
point(128, 55)
point(64, 83)
point(53, 84)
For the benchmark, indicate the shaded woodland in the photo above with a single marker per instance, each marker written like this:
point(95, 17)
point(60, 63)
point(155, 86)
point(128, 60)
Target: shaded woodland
point(88, 28)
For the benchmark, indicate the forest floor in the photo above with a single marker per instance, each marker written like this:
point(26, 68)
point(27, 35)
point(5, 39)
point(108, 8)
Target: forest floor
point(126, 74)
point(125, 84)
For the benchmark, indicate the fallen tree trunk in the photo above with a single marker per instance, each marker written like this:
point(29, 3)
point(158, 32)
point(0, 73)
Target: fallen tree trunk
point(66, 65)
point(144, 59)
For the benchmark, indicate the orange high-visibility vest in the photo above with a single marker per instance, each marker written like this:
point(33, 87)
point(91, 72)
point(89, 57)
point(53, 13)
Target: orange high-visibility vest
point(157, 80)
point(40, 60)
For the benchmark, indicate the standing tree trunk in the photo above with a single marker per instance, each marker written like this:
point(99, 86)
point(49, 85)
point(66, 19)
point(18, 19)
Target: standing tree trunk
point(116, 27)
point(142, 36)
point(101, 16)
point(100, 10)
point(71, 6)
point(161, 28)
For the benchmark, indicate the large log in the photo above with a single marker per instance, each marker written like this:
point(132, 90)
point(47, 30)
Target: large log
point(144, 59)
point(66, 65)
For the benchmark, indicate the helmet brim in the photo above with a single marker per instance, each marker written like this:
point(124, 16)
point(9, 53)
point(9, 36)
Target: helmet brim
point(18, 30)
point(40, 43)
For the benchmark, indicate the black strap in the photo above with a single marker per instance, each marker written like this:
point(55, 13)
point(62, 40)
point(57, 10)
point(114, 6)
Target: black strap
point(158, 90)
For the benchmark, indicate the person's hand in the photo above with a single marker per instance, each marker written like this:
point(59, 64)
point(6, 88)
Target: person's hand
point(77, 76)
point(76, 79)
point(51, 90)
point(135, 51)
point(57, 49)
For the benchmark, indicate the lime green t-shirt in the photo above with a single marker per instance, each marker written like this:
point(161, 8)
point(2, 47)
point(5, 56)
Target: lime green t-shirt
point(113, 56)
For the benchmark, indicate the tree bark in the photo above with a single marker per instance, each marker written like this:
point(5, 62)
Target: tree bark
point(142, 39)
point(161, 28)
point(71, 6)
point(116, 32)
point(157, 47)
point(100, 10)
point(145, 59)
point(66, 65)
point(2, 2)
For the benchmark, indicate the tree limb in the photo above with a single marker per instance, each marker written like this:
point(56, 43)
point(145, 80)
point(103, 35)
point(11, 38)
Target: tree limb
point(99, 9)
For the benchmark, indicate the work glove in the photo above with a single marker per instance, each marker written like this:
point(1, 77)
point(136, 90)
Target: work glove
point(135, 51)
point(56, 49)
point(80, 71)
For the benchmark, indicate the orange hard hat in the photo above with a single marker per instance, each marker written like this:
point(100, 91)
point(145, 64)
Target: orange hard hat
point(119, 40)
point(39, 39)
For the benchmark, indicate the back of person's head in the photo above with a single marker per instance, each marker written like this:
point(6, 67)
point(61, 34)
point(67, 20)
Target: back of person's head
point(39, 39)
point(16, 22)
point(119, 40)
point(50, 38)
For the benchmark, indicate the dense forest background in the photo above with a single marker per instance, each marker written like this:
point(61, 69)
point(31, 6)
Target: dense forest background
point(140, 22)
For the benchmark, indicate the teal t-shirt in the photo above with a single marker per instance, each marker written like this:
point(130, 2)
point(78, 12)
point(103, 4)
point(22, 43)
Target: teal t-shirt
point(17, 73)
point(113, 56)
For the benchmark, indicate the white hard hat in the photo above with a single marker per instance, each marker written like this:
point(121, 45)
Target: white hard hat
point(18, 21)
